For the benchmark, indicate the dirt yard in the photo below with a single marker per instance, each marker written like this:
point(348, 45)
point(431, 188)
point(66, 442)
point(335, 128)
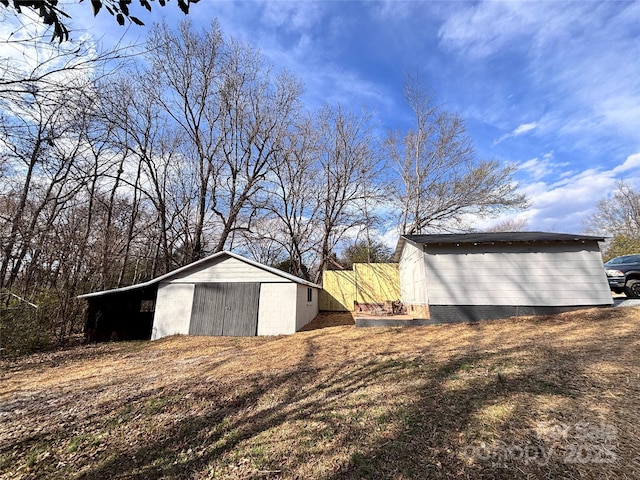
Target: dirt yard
point(537, 397)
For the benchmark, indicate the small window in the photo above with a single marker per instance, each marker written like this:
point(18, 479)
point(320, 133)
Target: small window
point(309, 295)
point(147, 306)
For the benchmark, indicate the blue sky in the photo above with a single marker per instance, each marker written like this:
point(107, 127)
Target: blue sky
point(551, 86)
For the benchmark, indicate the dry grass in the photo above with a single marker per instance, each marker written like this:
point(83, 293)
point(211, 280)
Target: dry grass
point(538, 397)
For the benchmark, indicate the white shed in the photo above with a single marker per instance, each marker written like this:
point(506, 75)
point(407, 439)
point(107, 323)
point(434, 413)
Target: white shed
point(224, 294)
point(476, 276)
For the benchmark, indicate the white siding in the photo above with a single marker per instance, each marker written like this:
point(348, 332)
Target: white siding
point(306, 311)
point(227, 269)
point(549, 275)
point(413, 285)
point(277, 310)
point(173, 310)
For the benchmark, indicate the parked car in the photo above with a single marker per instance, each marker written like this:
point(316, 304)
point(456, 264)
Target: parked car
point(623, 274)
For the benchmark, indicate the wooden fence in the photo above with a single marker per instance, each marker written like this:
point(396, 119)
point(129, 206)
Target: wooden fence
point(367, 284)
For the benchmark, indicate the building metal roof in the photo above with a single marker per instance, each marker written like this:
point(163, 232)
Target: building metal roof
point(198, 263)
point(493, 238)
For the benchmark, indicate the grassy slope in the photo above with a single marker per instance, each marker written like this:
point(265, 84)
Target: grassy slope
point(461, 401)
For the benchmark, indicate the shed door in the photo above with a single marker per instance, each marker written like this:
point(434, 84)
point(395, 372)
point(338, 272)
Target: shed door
point(229, 309)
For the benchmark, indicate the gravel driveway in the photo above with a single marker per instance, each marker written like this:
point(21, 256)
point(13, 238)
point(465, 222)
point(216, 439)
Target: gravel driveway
point(623, 301)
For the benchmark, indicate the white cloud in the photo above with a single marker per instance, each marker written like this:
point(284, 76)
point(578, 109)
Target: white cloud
point(306, 38)
point(298, 16)
point(489, 27)
point(519, 130)
point(525, 127)
point(27, 53)
point(564, 203)
point(537, 168)
point(390, 238)
point(631, 163)
point(577, 64)
point(467, 32)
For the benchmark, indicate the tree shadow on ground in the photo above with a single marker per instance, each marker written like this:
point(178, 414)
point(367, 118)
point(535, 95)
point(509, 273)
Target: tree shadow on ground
point(476, 413)
point(329, 319)
point(549, 418)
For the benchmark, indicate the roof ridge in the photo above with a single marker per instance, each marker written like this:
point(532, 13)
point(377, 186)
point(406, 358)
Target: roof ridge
point(181, 269)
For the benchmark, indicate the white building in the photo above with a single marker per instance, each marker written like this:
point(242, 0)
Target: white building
point(476, 276)
point(224, 294)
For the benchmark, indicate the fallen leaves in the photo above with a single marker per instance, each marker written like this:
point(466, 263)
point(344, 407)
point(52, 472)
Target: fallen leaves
point(331, 402)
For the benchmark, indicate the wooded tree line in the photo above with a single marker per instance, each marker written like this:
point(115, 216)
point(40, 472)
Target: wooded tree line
point(111, 176)
point(618, 216)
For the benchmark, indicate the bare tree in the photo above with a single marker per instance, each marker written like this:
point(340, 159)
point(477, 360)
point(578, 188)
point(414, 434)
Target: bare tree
point(233, 115)
point(57, 172)
point(31, 63)
point(264, 242)
point(186, 70)
point(257, 112)
point(509, 225)
point(294, 198)
point(441, 182)
point(348, 174)
point(149, 145)
point(618, 214)
point(41, 141)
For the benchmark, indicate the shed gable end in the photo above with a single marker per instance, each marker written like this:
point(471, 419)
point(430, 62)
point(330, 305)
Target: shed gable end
point(226, 269)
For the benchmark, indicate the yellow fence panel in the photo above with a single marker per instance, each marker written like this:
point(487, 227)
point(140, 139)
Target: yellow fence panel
point(338, 291)
point(366, 284)
point(377, 282)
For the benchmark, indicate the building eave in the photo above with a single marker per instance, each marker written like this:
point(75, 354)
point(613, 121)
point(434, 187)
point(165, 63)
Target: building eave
point(491, 238)
point(196, 264)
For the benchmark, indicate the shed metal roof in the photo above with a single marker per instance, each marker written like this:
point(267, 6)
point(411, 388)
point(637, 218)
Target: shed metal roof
point(199, 263)
point(493, 238)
